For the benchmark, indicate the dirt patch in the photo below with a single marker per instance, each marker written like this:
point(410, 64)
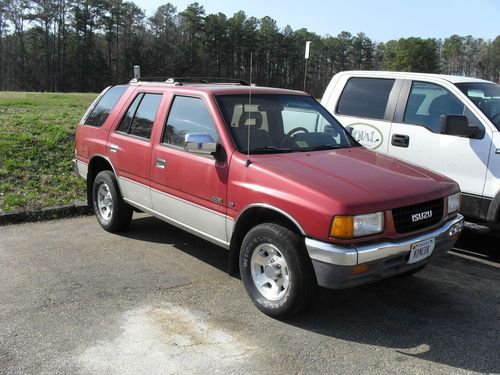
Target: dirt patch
point(168, 340)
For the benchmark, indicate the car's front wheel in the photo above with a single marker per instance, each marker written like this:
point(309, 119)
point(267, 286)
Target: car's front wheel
point(111, 211)
point(276, 271)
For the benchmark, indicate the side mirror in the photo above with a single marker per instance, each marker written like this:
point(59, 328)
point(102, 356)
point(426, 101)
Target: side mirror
point(204, 144)
point(199, 143)
point(458, 125)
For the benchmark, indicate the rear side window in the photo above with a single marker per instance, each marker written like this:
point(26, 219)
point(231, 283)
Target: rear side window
point(104, 106)
point(365, 97)
point(140, 116)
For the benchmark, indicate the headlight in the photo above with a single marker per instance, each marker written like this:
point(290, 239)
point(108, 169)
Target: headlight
point(453, 203)
point(357, 226)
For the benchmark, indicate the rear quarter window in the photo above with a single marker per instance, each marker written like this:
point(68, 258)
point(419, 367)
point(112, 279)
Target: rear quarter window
point(365, 97)
point(100, 110)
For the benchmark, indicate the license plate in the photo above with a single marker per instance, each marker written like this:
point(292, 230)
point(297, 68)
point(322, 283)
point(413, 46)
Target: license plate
point(421, 250)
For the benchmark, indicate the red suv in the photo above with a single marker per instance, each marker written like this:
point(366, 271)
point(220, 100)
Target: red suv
point(268, 174)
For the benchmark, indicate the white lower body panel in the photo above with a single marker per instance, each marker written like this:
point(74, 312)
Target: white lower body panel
point(138, 193)
point(198, 220)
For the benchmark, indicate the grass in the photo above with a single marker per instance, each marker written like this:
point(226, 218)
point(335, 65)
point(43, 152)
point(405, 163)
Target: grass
point(37, 134)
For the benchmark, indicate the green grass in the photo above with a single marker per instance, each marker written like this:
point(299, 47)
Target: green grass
point(37, 134)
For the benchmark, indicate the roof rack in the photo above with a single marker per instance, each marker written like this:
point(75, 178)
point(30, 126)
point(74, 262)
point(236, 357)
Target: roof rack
point(212, 80)
point(179, 81)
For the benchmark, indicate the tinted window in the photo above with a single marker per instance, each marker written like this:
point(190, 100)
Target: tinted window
point(142, 124)
point(365, 97)
point(427, 102)
point(104, 106)
point(129, 116)
point(188, 115)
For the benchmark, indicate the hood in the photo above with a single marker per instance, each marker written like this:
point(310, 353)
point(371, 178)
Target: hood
point(355, 180)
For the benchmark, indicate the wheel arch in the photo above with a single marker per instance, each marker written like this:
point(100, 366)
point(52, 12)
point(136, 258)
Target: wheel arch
point(493, 216)
point(251, 216)
point(98, 163)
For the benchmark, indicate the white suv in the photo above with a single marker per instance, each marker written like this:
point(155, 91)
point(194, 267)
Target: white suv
point(446, 123)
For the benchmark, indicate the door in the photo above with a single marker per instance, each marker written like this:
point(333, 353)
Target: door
point(129, 148)
point(415, 136)
point(366, 108)
point(189, 188)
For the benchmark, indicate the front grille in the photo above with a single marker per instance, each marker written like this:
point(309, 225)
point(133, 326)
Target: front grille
point(403, 216)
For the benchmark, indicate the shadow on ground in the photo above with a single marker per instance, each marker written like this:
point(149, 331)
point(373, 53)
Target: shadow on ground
point(150, 229)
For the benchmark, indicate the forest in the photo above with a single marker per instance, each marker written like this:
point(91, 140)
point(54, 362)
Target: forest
point(86, 45)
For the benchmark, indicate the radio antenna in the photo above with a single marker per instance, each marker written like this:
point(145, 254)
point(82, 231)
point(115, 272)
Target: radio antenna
point(249, 112)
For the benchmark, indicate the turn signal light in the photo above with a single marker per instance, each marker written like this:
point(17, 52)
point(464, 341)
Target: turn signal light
point(359, 269)
point(342, 227)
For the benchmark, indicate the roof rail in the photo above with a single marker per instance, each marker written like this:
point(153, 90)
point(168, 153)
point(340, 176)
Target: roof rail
point(183, 80)
point(212, 80)
point(180, 81)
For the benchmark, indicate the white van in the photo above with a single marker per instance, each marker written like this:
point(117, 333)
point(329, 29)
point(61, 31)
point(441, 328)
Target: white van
point(446, 123)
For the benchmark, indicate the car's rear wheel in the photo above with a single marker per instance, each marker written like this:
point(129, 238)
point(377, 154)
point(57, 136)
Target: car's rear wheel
point(111, 211)
point(276, 270)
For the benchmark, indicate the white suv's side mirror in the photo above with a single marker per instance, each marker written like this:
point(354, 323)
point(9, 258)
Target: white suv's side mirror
point(458, 125)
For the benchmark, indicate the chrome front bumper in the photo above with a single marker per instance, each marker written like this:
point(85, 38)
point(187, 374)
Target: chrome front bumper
point(334, 263)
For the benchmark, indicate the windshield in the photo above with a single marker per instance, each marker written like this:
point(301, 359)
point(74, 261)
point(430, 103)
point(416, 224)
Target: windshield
point(281, 123)
point(486, 97)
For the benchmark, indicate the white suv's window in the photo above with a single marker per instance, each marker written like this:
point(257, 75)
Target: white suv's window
point(428, 101)
point(365, 97)
point(485, 96)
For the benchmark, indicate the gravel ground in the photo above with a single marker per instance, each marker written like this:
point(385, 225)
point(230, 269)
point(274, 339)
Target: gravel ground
point(156, 300)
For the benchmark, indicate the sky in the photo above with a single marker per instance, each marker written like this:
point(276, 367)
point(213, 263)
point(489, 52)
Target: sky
point(381, 20)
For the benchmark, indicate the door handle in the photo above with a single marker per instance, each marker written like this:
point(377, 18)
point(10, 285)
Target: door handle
point(400, 140)
point(113, 148)
point(161, 163)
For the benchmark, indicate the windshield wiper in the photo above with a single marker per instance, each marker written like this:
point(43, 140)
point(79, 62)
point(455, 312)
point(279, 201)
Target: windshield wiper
point(323, 147)
point(269, 149)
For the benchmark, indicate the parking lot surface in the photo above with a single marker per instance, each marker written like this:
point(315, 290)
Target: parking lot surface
point(156, 300)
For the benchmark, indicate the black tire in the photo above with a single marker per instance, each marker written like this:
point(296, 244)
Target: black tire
point(301, 284)
point(119, 216)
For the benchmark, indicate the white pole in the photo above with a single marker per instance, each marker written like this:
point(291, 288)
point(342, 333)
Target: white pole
point(306, 56)
point(308, 46)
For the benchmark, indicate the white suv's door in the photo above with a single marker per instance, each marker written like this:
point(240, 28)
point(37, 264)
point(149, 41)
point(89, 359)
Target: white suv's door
point(415, 136)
